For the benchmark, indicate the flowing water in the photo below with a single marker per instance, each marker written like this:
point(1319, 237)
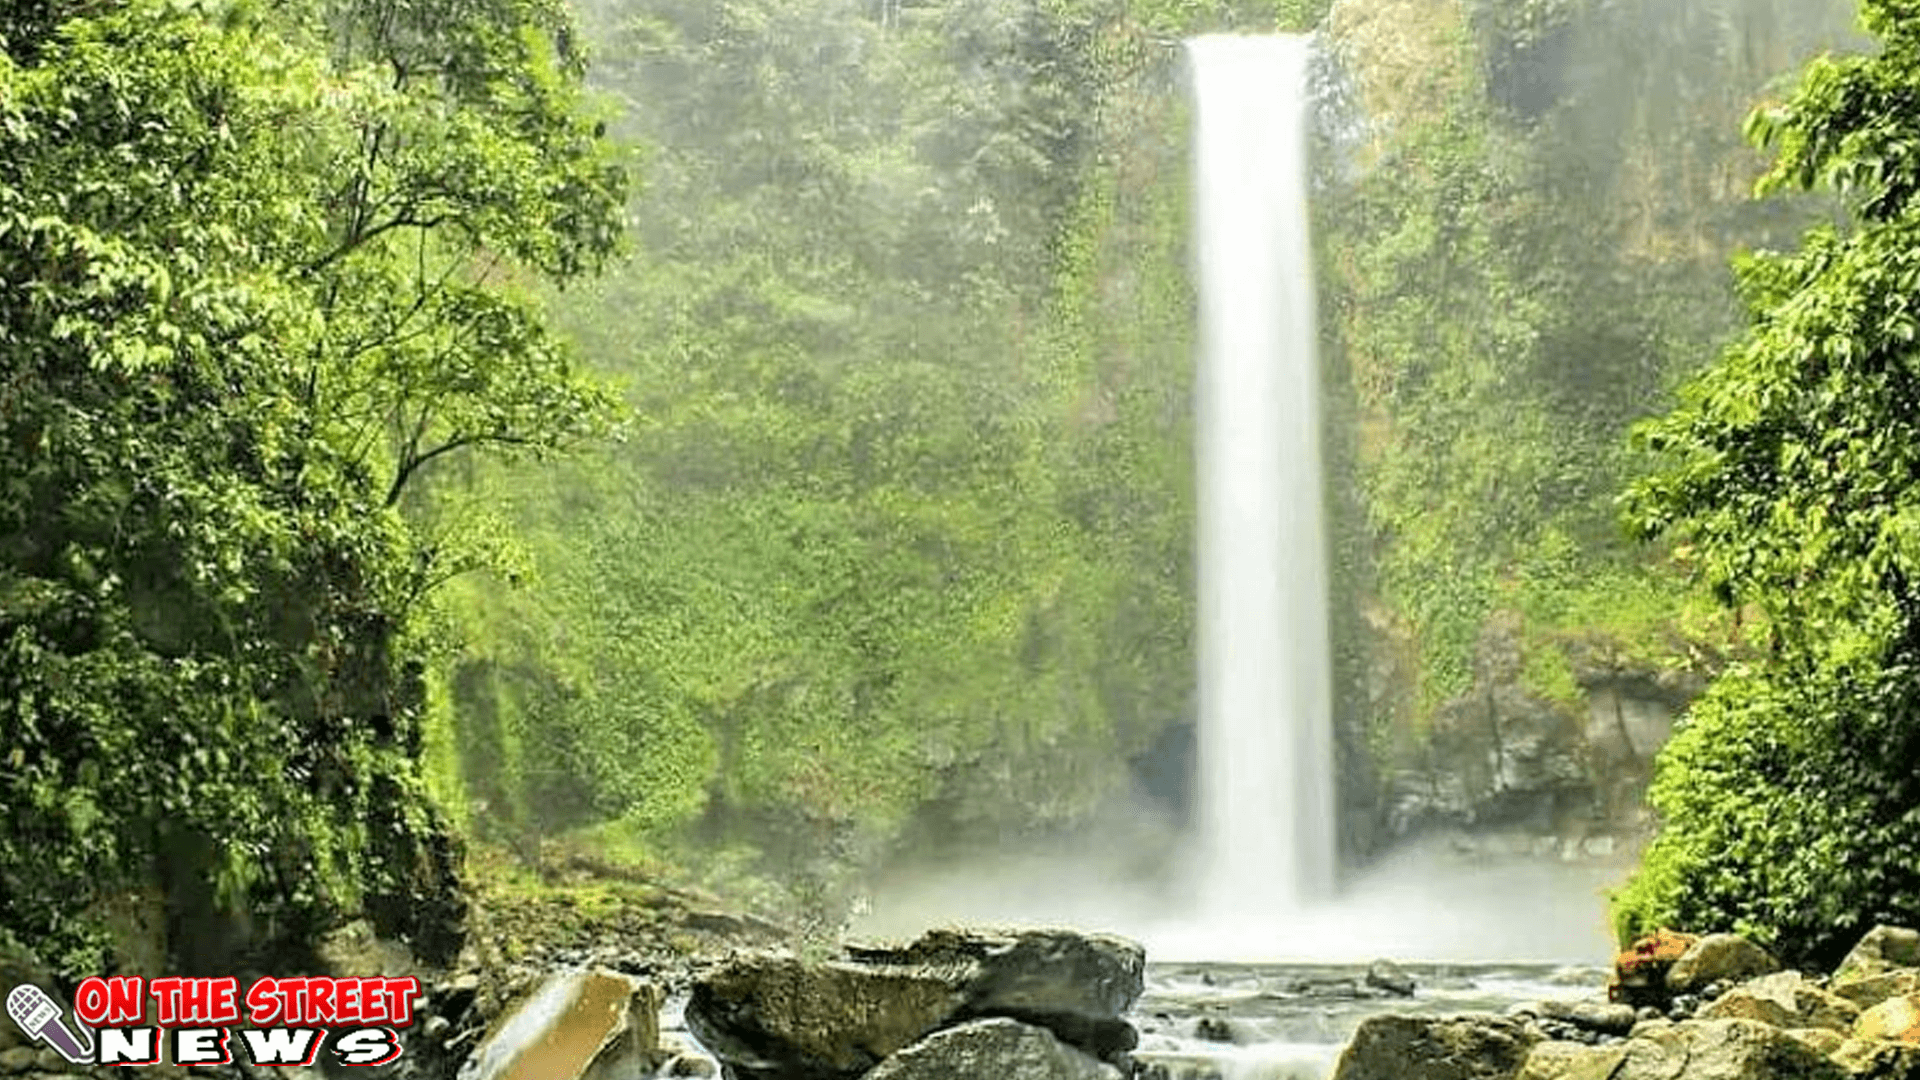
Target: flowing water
point(1209, 1021)
point(1262, 875)
point(1254, 882)
point(1214, 1021)
point(1266, 762)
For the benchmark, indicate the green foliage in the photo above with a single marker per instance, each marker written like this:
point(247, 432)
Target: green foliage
point(1788, 815)
point(1528, 263)
point(244, 298)
point(900, 528)
point(1789, 466)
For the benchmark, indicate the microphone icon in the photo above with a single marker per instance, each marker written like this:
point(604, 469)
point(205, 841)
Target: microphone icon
point(39, 1016)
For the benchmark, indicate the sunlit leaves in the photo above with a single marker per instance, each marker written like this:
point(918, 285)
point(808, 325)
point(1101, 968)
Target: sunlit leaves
point(219, 367)
point(1792, 467)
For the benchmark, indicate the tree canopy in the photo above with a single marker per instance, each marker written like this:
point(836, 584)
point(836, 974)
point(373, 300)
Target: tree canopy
point(258, 268)
point(1790, 475)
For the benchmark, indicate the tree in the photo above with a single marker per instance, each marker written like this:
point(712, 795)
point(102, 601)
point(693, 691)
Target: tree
point(1791, 475)
point(256, 272)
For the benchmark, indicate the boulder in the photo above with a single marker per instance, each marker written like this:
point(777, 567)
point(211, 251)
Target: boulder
point(1870, 990)
point(1391, 977)
point(1032, 972)
point(1599, 1016)
point(1400, 1046)
point(1893, 1020)
point(775, 1016)
point(1784, 999)
point(772, 1014)
point(1640, 971)
point(582, 1025)
point(1882, 949)
point(1570, 1061)
point(1722, 1050)
point(995, 1049)
point(1719, 956)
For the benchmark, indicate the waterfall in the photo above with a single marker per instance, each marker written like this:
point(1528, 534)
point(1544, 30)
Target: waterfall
point(1266, 761)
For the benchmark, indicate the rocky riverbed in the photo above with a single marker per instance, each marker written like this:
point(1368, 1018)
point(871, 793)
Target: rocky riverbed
point(633, 984)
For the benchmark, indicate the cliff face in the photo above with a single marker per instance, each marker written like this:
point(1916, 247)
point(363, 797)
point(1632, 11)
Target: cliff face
point(1524, 228)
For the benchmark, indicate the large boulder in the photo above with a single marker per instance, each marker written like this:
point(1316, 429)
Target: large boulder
point(1784, 999)
point(1400, 1046)
point(1716, 957)
point(1603, 1017)
point(778, 1017)
point(1032, 972)
point(775, 1015)
point(1722, 1050)
point(1893, 1020)
point(1391, 977)
point(1882, 949)
point(583, 1025)
point(996, 1049)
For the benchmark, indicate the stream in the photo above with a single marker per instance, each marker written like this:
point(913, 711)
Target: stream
point(1223, 1021)
point(1213, 1021)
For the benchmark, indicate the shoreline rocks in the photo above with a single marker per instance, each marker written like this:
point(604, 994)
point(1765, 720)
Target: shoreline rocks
point(1729, 1014)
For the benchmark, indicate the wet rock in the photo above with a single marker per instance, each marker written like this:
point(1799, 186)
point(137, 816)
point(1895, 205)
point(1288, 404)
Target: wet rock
point(1597, 1016)
point(1722, 1050)
point(1400, 1046)
point(1893, 1020)
point(993, 1049)
point(1719, 956)
point(689, 1065)
point(771, 1014)
point(1570, 1061)
point(1391, 977)
point(777, 1016)
point(1214, 1029)
point(590, 1025)
point(1029, 972)
point(1562, 1031)
point(1880, 950)
point(1784, 999)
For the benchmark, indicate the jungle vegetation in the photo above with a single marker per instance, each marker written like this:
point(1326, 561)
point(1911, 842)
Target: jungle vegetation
point(749, 440)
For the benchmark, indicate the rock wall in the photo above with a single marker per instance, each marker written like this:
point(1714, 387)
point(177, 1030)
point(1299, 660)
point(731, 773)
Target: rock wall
point(1525, 229)
point(1508, 769)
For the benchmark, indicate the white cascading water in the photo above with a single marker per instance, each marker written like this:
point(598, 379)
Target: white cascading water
point(1266, 761)
point(1264, 863)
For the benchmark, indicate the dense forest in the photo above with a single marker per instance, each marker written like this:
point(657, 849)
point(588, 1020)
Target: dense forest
point(749, 442)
